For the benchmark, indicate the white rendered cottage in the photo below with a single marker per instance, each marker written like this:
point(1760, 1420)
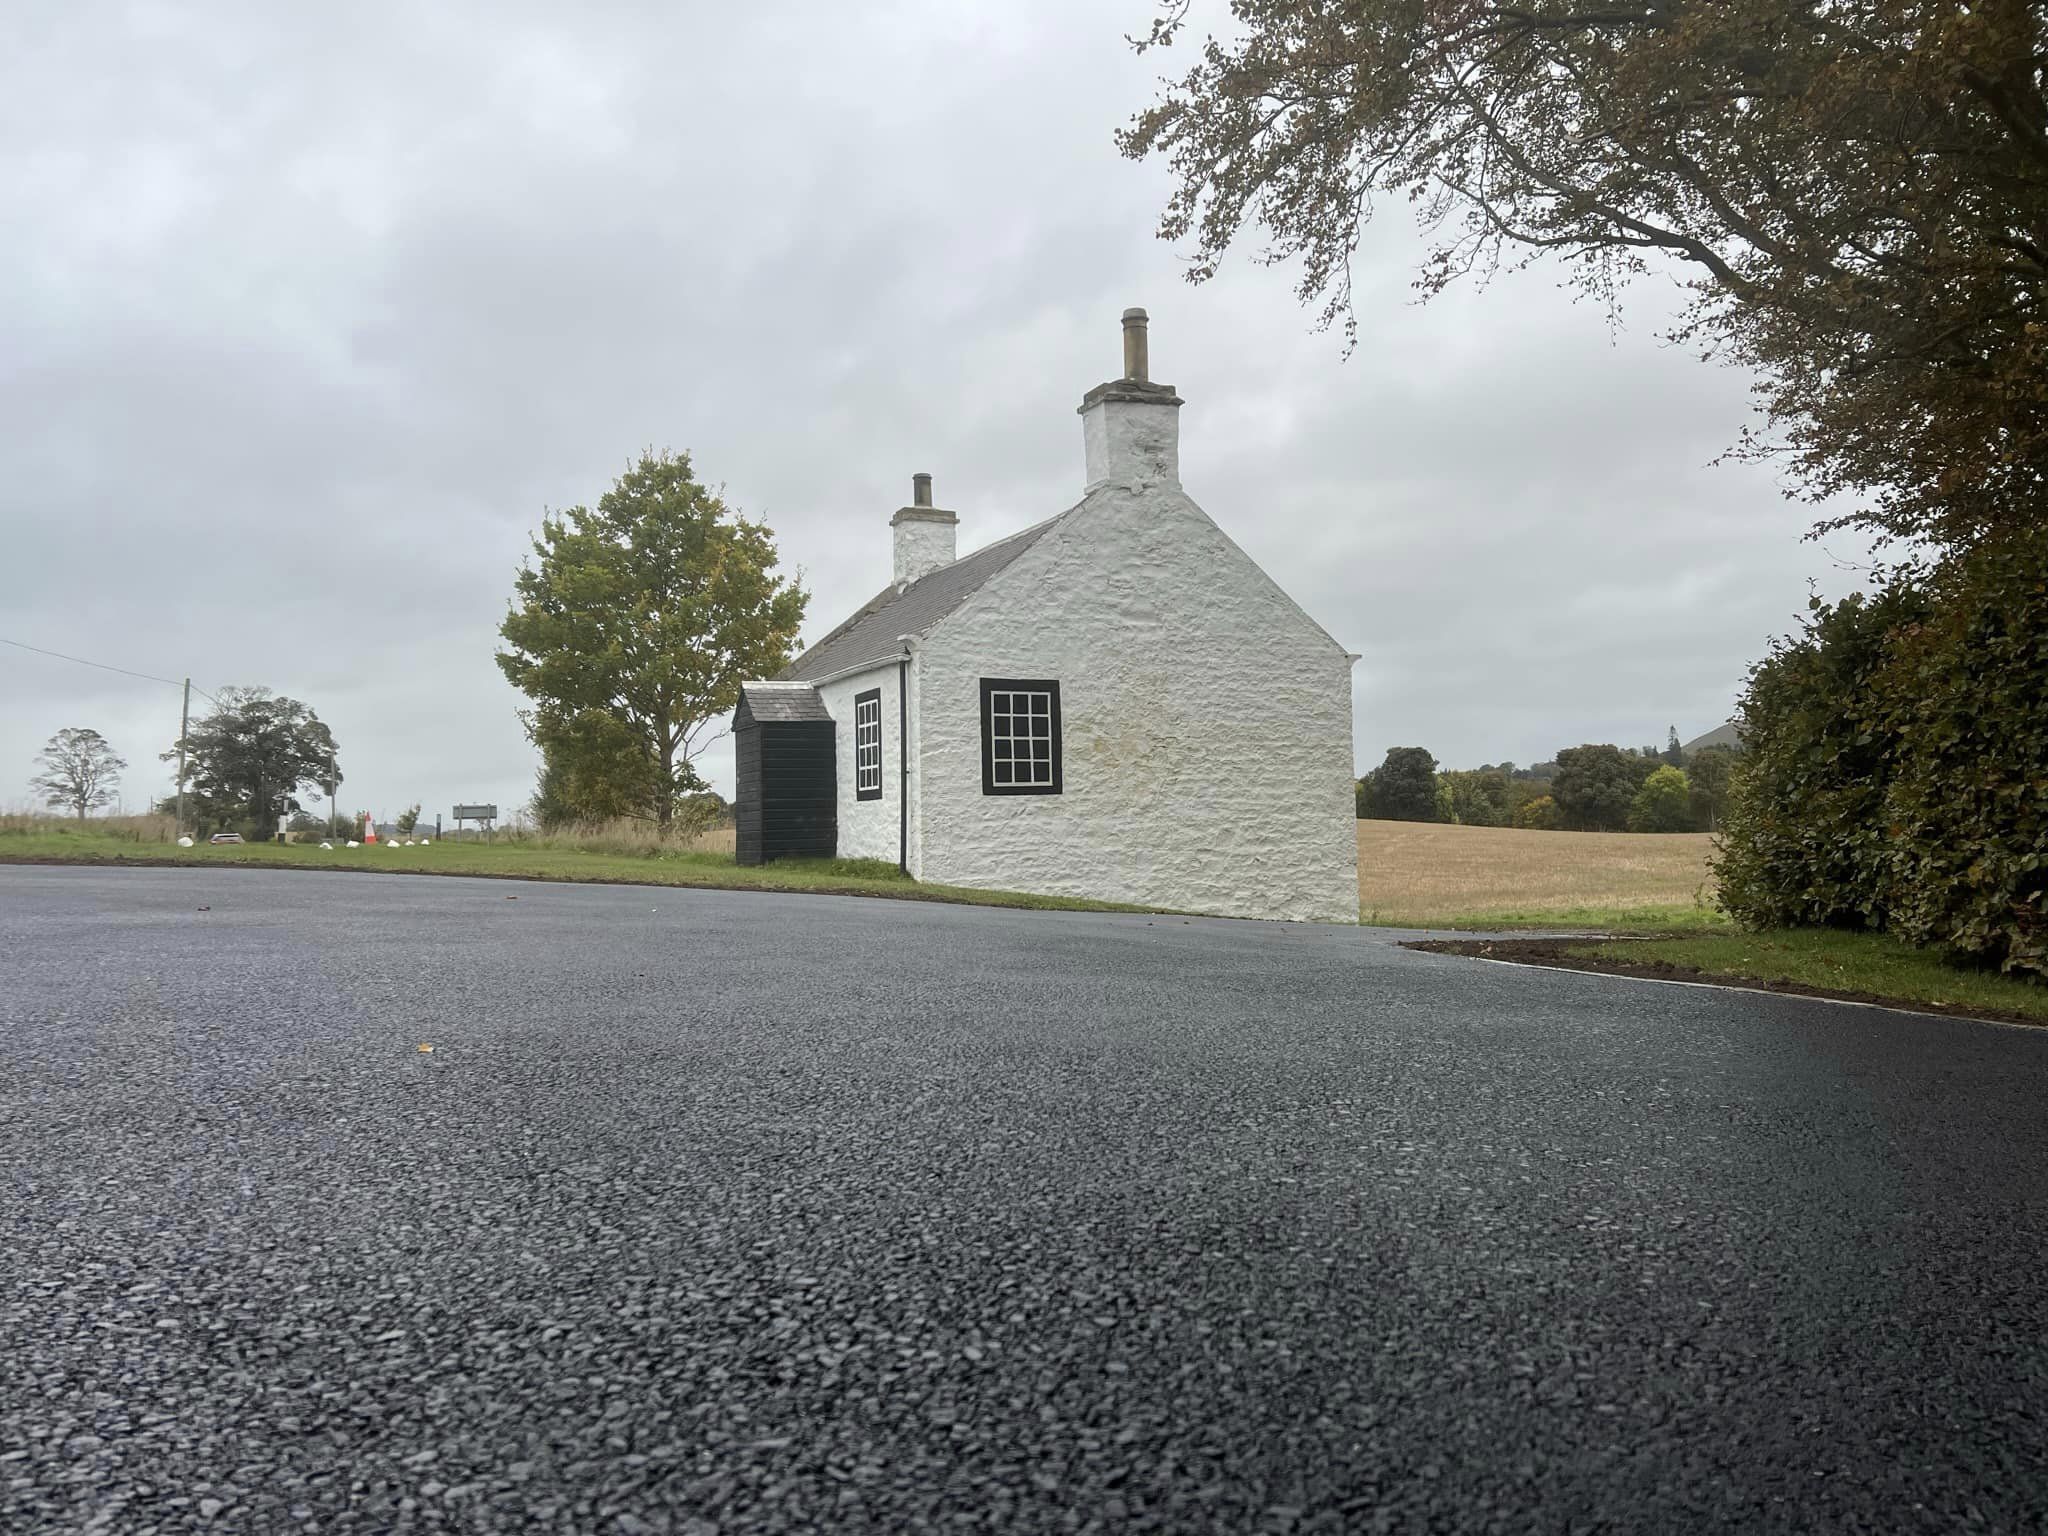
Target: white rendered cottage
point(1116, 703)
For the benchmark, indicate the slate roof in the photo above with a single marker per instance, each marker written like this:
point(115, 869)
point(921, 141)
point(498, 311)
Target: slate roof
point(875, 633)
point(782, 701)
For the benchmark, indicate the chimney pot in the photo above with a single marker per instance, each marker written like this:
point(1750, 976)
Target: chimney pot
point(1137, 362)
point(1130, 429)
point(920, 490)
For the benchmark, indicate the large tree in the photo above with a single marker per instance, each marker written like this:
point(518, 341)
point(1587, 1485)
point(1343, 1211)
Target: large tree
point(80, 772)
point(1706, 776)
point(1855, 190)
point(1478, 797)
point(1663, 804)
point(651, 609)
point(592, 768)
point(1402, 788)
point(255, 755)
point(1596, 784)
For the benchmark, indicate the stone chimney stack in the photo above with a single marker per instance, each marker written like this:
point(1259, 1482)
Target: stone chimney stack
point(924, 534)
point(1130, 427)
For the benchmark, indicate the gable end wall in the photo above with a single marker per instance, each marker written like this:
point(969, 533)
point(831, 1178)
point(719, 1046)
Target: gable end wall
point(1207, 723)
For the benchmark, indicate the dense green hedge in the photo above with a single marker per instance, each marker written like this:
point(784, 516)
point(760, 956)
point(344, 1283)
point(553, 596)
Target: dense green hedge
point(1897, 767)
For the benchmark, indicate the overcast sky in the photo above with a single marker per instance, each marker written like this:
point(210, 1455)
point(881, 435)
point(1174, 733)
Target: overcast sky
point(306, 314)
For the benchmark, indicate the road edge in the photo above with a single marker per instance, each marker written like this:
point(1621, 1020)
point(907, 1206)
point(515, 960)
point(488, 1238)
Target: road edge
point(1527, 958)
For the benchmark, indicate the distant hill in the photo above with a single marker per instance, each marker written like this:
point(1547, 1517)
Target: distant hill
point(1719, 736)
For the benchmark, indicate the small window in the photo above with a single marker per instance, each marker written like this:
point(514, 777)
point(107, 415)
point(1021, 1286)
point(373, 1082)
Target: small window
point(867, 745)
point(1020, 737)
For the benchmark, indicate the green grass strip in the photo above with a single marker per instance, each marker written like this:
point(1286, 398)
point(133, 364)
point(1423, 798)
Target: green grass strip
point(1657, 919)
point(841, 877)
point(1874, 965)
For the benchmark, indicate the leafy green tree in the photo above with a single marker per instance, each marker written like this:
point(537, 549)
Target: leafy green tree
point(1707, 772)
point(1444, 811)
point(1403, 787)
point(710, 808)
point(1595, 785)
point(1477, 797)
point(80, 772)
point(408, 819)
point(651, 609)
point(594, 767)
point(201, 815)
point(1674, 754)
point(1663, 804)
point(252, 757)
point(1856, 196)
point(1539, 814)
point(1523, 790)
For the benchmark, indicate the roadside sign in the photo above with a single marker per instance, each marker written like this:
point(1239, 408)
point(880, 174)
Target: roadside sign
point(487, 815)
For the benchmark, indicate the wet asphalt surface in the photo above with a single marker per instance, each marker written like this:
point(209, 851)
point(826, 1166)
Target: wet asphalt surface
point(719, 1212)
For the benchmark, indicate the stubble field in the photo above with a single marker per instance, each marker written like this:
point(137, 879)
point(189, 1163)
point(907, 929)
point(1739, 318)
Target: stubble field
point(1416, 874)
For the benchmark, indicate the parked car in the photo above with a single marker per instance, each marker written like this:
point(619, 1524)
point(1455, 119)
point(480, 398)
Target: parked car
point(225, 837)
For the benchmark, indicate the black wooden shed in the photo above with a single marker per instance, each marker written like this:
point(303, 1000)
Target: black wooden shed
point(786, 789)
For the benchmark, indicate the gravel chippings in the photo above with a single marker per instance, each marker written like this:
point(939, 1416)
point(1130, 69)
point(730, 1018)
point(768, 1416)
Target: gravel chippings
point(745, 1213)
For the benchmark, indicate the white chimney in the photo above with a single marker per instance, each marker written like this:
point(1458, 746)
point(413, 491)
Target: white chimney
point(924, 534)
point(1130, 426)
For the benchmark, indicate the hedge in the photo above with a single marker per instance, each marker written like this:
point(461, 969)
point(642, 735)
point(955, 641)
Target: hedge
point(1896, 774)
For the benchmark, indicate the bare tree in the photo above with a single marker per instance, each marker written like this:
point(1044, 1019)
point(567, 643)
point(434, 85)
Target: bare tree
point(80, 771)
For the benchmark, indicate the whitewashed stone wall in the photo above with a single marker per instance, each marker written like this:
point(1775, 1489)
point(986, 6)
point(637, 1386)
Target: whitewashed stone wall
point(917, 778)
point(1206, 724)
point(868, 829)
point(923, 540)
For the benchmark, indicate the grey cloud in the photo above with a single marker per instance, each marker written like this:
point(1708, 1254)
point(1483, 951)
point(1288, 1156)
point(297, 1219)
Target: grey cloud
point(313, 314)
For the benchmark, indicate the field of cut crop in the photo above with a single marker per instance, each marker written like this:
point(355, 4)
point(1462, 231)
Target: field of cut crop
point(1416, 874)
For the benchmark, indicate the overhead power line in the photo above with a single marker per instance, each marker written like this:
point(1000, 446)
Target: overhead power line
point(148, 677)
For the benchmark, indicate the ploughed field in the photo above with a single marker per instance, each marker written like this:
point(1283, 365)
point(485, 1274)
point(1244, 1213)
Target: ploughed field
point(1419, 874)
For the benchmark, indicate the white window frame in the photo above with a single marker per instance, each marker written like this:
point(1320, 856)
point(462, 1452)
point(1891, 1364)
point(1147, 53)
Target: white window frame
point(1020, 736)
point(867, 745)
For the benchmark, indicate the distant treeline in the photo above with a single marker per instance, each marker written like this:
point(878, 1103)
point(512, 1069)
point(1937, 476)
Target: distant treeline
point(1591, 788)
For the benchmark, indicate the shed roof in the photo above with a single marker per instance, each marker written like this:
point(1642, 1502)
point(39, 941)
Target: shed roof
point(875, 632)
point(780, 701)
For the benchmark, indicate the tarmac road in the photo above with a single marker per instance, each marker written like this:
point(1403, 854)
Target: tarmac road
point(729, 1212)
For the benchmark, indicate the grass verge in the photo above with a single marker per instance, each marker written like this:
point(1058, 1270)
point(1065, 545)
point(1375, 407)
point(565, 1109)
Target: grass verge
point(1817, 962)
point(1833, 960)
point(1645, 919)
point(688, 868)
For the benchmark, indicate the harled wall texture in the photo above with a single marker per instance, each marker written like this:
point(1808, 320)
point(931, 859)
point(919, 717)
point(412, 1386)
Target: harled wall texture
point(868, 829)
point(1207, 724)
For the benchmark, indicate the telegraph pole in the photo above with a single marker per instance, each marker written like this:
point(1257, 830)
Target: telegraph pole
point(184, 725)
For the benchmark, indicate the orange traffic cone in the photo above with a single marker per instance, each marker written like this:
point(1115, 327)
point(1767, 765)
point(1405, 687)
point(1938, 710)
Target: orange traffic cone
point(369, 828)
